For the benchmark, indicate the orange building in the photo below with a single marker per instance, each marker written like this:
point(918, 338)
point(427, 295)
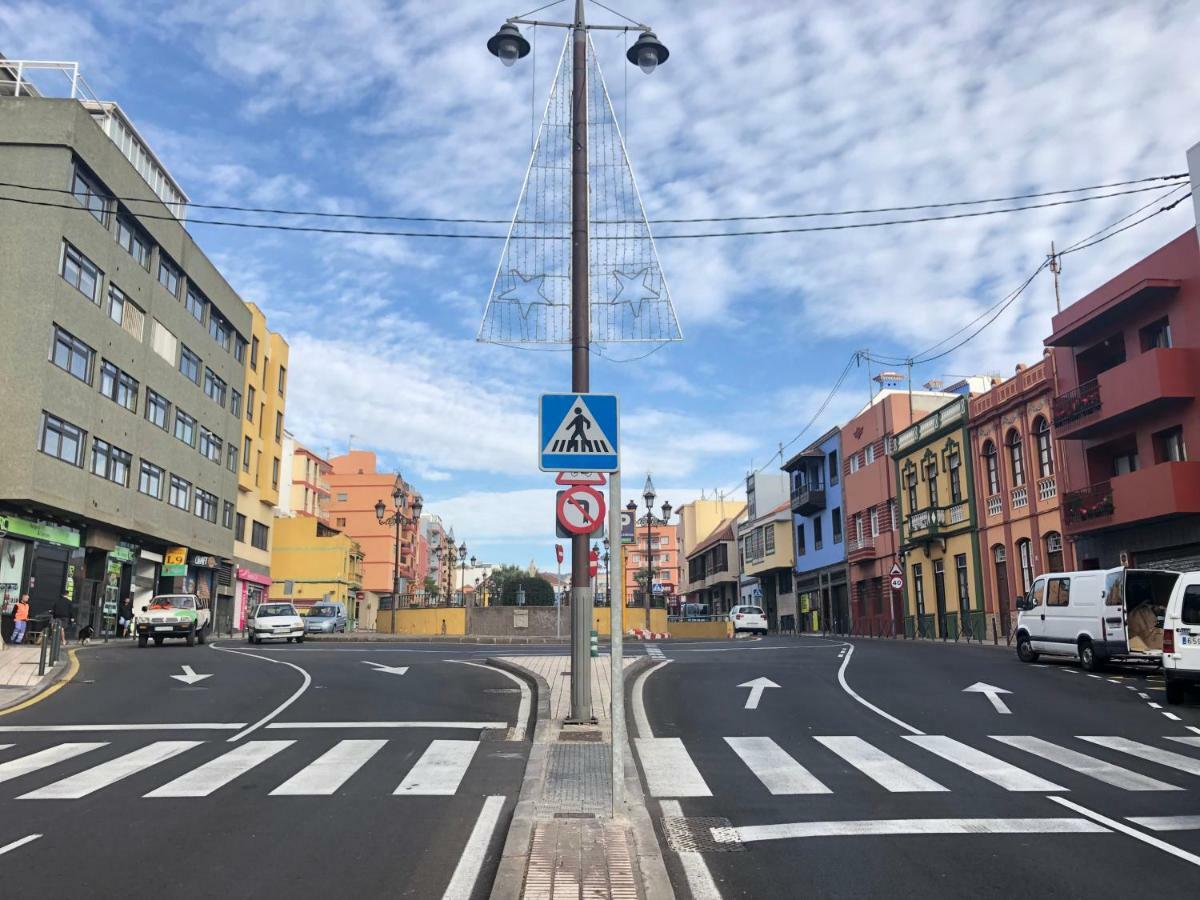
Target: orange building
point(664, 550)
point(355, 485)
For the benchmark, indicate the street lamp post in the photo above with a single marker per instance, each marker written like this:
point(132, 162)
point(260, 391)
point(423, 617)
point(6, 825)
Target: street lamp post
point(397, 518)
point(509, 45)
point(462, 581)
point(648, 494)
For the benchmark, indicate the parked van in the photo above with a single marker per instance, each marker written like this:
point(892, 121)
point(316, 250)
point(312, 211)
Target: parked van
point(1181, 637)
point(1097, 615)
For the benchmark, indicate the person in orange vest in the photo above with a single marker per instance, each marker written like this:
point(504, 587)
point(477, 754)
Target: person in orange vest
point(20, 617)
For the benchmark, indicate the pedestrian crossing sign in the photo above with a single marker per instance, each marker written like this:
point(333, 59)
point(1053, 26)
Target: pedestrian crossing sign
point(578, 433)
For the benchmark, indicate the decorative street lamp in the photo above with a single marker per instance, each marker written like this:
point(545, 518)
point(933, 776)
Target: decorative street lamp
point(399, 502)
point(462, 583)
point(648, 494)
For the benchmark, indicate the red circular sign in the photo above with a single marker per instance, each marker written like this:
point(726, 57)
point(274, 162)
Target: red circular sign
point(581, 509)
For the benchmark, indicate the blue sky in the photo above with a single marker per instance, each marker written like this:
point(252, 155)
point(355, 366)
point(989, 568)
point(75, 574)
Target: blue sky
point(763, 107)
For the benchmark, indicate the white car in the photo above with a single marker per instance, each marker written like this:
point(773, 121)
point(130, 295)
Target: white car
point(748, 618)
point(1181, 637)
point(275, 620)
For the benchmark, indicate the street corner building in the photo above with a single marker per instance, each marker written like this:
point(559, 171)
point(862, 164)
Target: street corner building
point(121, 358)
point(766, 553)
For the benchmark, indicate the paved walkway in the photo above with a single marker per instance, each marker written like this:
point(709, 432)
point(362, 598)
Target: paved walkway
point(557, 672)
point(19, 666)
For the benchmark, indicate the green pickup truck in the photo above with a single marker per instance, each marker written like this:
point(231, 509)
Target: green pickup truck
point(184, 616)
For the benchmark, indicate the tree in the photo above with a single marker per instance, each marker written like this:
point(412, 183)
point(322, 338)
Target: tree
point(509, 580)
point(431, 587)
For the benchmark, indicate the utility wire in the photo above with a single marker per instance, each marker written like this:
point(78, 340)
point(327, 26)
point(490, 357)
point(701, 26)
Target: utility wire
point(1157, 212)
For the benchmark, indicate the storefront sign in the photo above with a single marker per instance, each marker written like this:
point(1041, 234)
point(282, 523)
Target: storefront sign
point(41, 531)
point(175, 562)
point(205, 562)
point(125, 553)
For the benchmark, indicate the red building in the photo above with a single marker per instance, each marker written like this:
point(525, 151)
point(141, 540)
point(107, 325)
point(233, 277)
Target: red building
point(1127, 357)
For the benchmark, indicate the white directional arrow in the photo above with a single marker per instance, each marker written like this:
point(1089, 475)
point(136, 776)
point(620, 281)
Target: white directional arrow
point(379, 667)
point(992, 693)
point(757, 686)
point(189, 676)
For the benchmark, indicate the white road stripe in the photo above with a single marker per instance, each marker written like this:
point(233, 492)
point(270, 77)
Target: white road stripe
point(1144, 696)
point(15, 768)
point(640, 722)
point(217, 773)
point(470, 861)
point(871, 706)
point(1167, 823)
point(1154, 705)
point(695, 869)
point(5, 746)
point(468, 726)
point(1172, 717)
point(29, 838)
point(669, 769)
point(517, 732)
point(774, 766)
point(1193, 728)
point(983, 764)
point(1115, 775)
point(440, 769)
point(1126, 830)
point(879, 766)
point(1190, 741)
point(328, 772)
point(166, 726)
point(282, 706)
point(107, 773)
point(749, 833)
point(1188, 764)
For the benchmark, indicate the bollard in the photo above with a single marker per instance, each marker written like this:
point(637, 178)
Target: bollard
point(595, 644)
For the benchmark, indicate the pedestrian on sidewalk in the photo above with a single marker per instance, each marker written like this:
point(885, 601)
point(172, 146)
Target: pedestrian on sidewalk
point(60, 614)
point(125, 620)
point(20, 618)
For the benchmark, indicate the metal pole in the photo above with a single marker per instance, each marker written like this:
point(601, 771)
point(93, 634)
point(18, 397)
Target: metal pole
point(581, 601)
point(396, 573)
point(558, 598)
point(649, 568)
point(616, 694)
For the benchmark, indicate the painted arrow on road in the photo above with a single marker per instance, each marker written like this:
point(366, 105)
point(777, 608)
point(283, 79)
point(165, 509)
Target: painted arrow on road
point(992, 693)
point(393, 670)
point(189, 676)
point(757, 686)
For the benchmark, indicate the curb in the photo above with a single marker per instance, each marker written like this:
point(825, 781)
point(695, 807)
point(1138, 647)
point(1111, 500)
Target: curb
point(934, 642)
point(49, 682)
point(374, 637)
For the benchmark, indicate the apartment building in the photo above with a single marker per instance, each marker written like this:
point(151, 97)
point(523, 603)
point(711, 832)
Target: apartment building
point(312, 562)
point(712, 568)
point(699, 520)
point(305, 489)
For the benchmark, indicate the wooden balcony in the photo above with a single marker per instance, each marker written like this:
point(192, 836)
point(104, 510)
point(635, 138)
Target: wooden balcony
point(808, 500)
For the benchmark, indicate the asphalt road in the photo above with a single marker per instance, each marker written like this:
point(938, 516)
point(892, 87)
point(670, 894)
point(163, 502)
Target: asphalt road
point(301, 771)
point(869, 772)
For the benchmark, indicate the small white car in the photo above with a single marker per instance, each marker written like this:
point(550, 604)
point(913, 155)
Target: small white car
point(1181, 638)
point(275, 621)
point(748, 618)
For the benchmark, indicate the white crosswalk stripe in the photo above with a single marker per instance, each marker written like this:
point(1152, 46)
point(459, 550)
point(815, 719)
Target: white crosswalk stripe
point(1190, 741)
point(885, 770)
point(107, 773)
point(333, 768)
point(5, 746)
point(997, 771)
point(440, 769)
point(774, 767)
point(1115, 775)
point(669, 769)
point(44, 758)
point(1167, 758)
point(219, 772)
point(655, 652)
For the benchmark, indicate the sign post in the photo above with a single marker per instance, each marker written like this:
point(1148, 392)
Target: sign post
point(616, 604)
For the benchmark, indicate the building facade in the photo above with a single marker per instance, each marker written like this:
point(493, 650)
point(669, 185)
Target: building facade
point(312, 563)
point(308, 477)
point(712, 569)
point(1127, 358)
point(698, 520)
point(1016, 480)
point(664, 562)
point(766, 563)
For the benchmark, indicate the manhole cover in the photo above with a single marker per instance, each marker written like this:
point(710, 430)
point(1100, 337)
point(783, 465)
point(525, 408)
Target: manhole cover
point(593, 736)
point(696, 834)
point(574, 815)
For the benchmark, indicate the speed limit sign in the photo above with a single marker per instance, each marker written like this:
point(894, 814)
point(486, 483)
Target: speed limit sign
point(897, 583)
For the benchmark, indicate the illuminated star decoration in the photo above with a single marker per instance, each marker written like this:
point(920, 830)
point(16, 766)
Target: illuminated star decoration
point(526, 293)
point(634, 291)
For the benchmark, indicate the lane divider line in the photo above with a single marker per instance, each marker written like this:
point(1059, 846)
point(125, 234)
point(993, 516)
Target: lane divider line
point(517, 732)
point(1126, 830)
point(282, 706)
point(470, 861)
point(869, 705)
point(29, 838)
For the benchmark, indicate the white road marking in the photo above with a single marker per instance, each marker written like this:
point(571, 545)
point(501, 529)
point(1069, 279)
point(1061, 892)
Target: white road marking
point(1070, 671)
point(669, 769)
point(1083, 764)
point(871, 706)
point(29, 838)
point(1090, 675)
point(992, 693)
point(983, 764)
point(1144, 696)
point(471, 726)
point(1131, 687)
point(749, 833)
point(5, 746)
point(440, 769)
point(1126, 830)
point(640, 722)
point(15, 768)
point(216, 773)
point(159, 726)
point(774, 766)
point(1154, 705)
point(1167, 758)
point(1116, 680)
point(328, 772)
point(470, 860)
point(885, 770)
point(189, 676)
point(107, 773)
point(1167, 823)
point(1172, 717)
point(695, 869)
point(518, 731)
point(1193, 728)
point(391, 670)
point(282, 706)
point(1190, 741)
point(757, 686)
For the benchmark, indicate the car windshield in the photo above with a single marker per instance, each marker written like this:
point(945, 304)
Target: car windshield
point(329, 611)
point(275, 609)
point(172, 601)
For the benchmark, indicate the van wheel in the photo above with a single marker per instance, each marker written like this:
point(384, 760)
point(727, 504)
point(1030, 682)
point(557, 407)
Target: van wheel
point(1088, 658)
point(1175, 692)
point(1025, 651)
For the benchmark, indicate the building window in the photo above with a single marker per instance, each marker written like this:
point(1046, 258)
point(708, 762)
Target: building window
point(254, 353)
point(125, 312)
point(1016, 458)
point(158, 409)
point(282, 380)
point(874, 521)
point(869, 454)
point(278, 426)
point(837, 524)
point(214, 387)
point(239, 531)
point(231, 457)
point(227, 514)
point(194, 303)
point(1156, 335)
point(818, 541)
point(1025, 555)
point(111, 462)
point(235, 403)
point(1168, 445)
point(834, 471)
point(168, 275)
point(800, 548)
point(239, 348)
point(250, 403)
point(1054, 552)
point(769, 539)
point(72, 355)
point(219, 329)
point(990, 466)
point(150, 480)
point(62, 440)
point(165, 343)
point(275, 473)
point(185, 427)
point(180, 492)
point(81, 273)
point(853, 463)
point(206, 506)
point(895, 519)
point(954, 463)
point(246, 455)
point(118, 386)
point(91, 196)
point(342, 496)
point(931, 473)
point(1124, 463)
point(259, 535)
point(858, 529)
point(189, 364)
point(135, 243)
point(210, 445)
point(911, 489)
point(918, 590)
point(341, 522)
point(1041, 434)
point(960, 570)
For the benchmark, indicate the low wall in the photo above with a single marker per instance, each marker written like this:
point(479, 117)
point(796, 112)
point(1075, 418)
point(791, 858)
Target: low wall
point(448, 620)
point(539, 621)
point(699, 629)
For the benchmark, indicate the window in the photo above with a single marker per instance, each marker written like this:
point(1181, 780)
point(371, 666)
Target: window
point(960, 570)
point(246, 455)
point(1156, 335)
point(869, 454)
point(185, 427)
point(834, 472)
point(341, 522)
point(239, 348)
point(158, 409)
point(214, 386)
point(219, 329)
point(259, 535)
point(853, 463)
point(818, 543)
point(125, 312)
point(226, 514)
point(858, 529)
point(282, 380)
point(239, 531)
point(1189, 612)
point(874, 521)
point(895, 519)
point(81, 273)
point(800, 548)
point(168, 275)
point(206, 506)
point(110, 462)
point(1124, 463)
point(931, 473)
point(911, 489)
point(194, 303)
point(250, 404)
point(90, 195)
point(1054, 552)
point(918, 590)
point(180, 492)
point(1037, 596)
point(989, 465)
point(150, 480)
point(275, 473)
point(1045, 450)
point(189, 364)
point(1168, 445)
point(1058, 592)
point(278, 426)
point(769, 539)
point(342, 496)
point(254, 353)
point(134, 241)
point(118, 386)
point(954, 464)
point(837, 524)
point(62, 440)
point(235, 403)
point(231, 457)
point(72, 355)
point(1025, 555)
point(210, 445)
point(1016, 457)
point(164, 342)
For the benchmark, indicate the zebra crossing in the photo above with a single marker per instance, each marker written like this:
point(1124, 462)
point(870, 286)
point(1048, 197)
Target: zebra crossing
point(672, 772)
point(438, 771)
point(655, 652)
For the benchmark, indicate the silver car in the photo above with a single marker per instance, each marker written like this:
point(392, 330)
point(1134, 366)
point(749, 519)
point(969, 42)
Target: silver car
point(325, 618)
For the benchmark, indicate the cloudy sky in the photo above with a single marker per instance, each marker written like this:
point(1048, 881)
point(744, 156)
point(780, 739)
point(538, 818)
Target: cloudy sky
point(764, 107)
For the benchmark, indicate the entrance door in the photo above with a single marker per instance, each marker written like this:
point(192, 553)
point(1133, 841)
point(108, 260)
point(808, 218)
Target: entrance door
point(939, 591)
point(1002, 598)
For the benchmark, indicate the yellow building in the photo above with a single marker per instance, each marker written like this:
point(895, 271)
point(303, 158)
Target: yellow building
point(768, 561)
point(311, 562)
point(939, 544)
point(698, 521)
point(259, 460)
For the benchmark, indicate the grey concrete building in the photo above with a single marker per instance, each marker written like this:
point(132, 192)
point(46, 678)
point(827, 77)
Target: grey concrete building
point(122, 360)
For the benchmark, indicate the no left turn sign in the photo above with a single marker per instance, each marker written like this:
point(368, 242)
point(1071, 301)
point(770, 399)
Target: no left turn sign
point(580, 509)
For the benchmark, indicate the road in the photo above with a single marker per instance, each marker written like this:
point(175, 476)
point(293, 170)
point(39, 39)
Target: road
point(870, 772)
point(362, 769)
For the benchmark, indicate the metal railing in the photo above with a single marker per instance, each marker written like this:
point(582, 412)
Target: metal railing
point(1047, 488)
point(995, 505)
point(1020, 497)
point(1093, 502)
point(1077, 404)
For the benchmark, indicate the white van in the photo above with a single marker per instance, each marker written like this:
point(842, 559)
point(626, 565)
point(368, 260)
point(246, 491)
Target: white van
point(1181, 637)
point(1097, 615)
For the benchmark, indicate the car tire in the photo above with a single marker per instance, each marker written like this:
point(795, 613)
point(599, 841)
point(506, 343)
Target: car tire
point(1088, 657)
point(200, 636)
point(1025, 651)
point(157, 641)
point(1175, 692)
point(289, 640)
point(300, 640)
point(143, 640)
point(190, 637)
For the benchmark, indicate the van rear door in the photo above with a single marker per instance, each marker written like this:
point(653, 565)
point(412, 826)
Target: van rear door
point(1116, 636)
point(1146, 592)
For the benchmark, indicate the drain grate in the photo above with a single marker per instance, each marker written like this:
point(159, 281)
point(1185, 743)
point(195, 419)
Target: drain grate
point(695, 834)
point(574, 815)
point(593, 736)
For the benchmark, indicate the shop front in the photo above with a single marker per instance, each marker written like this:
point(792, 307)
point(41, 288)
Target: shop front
point(251, 589)
point(37, 558)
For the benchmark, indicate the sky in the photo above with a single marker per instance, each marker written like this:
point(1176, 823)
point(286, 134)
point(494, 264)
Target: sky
point(763, 107)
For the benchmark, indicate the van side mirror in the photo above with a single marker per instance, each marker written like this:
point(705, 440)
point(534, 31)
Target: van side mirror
point(1023, 604)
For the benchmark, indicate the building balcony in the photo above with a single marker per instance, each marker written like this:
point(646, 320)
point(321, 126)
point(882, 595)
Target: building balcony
point(808, 500)
point(995, 505)
point(1047, 488)
point(931, 522)
point(860, 549)
point(1161, 491)
point(1143, 384)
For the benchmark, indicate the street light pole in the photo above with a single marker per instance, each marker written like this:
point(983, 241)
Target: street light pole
point(399, 502)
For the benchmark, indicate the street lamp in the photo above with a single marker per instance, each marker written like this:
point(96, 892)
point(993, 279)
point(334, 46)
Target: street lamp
point(648, 494)
point(462, 583)
point(399, 502)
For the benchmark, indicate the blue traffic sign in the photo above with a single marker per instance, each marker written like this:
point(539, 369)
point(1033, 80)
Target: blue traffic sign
point(578, 433)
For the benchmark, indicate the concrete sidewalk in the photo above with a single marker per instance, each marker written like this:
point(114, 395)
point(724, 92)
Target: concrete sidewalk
point(19, 672)
point(564, 842)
